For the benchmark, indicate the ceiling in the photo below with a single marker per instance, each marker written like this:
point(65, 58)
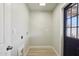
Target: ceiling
point(37, 7)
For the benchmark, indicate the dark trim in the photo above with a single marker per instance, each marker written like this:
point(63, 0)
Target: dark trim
point(70, 23)
point(65, 26)
point(67, 6)
point(77, 22)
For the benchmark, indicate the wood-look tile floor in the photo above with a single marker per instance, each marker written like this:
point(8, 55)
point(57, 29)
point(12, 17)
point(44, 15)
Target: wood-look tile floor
point(41, 52)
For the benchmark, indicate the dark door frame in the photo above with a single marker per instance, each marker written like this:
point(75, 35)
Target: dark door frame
point(74, 40)
point(64, 22)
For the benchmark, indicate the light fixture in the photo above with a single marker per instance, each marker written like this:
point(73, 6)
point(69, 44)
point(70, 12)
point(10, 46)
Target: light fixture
point(42, 4)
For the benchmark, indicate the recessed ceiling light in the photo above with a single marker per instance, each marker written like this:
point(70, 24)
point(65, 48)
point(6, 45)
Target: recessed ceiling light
point(42, 4)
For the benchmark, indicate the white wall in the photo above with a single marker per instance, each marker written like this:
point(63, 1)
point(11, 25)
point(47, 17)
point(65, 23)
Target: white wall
point(20, 20)
point(40, 28)
point(46, 29)
point(7, 26)
point(1, 31)
point(57, 23)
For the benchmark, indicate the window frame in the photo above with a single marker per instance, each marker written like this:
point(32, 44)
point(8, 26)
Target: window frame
point(77, 20)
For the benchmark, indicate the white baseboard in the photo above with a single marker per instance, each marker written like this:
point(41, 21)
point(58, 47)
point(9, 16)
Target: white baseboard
point(55, 51)
point(41, 47)
point(26, 52)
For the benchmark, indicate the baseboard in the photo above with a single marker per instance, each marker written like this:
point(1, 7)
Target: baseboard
point(40, 47)
point(43, 47)
point(26, 52)
point(55, 51)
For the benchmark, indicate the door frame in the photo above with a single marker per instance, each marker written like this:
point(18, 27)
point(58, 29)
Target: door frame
point(64, 28)
point(62, 36)
point(64, 24)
